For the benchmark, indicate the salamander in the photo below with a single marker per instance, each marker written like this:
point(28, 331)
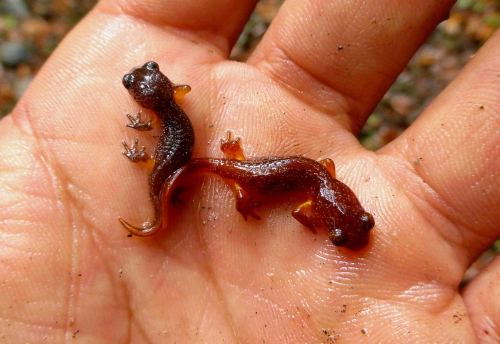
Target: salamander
point(153, 90)
point(326, 203)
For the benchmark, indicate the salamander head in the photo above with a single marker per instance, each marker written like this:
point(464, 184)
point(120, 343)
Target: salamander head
point(348, 224)
point(353, 231)
point(149, 87)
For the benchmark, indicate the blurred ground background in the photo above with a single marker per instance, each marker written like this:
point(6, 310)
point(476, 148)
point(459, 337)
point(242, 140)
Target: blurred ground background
point(31, 29)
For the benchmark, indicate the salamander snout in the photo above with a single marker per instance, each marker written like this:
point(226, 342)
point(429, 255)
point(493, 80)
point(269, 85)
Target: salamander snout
point(149, 87)
point(354, 231)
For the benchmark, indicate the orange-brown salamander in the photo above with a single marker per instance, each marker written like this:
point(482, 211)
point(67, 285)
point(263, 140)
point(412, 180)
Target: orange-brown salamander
point(326, 202)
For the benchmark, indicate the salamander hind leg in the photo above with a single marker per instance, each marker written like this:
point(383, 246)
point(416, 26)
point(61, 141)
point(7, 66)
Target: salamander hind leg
point(329, 165)
point(136, 154)
point(232, 147)
point(303, 214)
point(244, 202)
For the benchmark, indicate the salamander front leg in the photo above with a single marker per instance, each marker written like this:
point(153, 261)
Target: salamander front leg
point(329, 165)
point(303, 214)
point(137, 123)
point(180, 91)
point(244, 203)
point(232, 147)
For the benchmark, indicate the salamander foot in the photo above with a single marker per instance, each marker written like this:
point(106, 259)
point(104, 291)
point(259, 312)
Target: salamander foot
point(231, 147)
point(133, 153)
point(137, 123)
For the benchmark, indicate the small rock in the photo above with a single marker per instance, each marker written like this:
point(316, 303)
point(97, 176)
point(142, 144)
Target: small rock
point(267, 10)
point(402, 103)
point(429, 56)
point(453, 25)
point(23, 70)
point(20, 85)
point(6, 93)
point(13, 53)
point(17, 8)
point(35, 27)
point(388, 134)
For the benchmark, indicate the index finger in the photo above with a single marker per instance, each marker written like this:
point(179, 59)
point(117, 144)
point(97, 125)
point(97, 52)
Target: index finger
point(341, 56)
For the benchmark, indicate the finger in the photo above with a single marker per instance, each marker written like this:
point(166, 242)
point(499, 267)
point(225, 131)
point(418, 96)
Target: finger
point(218, 22)
point(342, 55)
point(454, 150)
point(482, 298)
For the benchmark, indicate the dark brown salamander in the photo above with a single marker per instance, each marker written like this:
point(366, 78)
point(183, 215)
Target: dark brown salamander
point(327, 202)
point(153, 90)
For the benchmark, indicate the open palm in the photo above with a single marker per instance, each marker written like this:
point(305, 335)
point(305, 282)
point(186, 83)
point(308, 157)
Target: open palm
point(68, 270)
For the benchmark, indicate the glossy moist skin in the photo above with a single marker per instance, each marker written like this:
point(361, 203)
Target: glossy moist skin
point(153, 90)
point(326, 202)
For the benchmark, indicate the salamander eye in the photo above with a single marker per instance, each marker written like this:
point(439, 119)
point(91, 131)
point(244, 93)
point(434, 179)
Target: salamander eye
point(152, 65)
point(338, 237)
point(367, 221)
point(128, 80)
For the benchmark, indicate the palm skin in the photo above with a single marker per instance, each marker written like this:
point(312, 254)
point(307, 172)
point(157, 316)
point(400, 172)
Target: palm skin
point(69, 271)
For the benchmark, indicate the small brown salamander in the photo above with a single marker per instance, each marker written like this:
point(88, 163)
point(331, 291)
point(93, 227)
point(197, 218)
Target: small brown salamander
point(153, 90)
point(327, 202)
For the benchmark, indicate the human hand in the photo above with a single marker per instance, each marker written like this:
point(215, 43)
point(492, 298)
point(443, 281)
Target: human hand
point(68, 269)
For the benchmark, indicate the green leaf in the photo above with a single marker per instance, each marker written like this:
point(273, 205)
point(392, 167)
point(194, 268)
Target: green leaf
point(496, 246)
point(465, 4)
point(10, 21)
point(493, 20)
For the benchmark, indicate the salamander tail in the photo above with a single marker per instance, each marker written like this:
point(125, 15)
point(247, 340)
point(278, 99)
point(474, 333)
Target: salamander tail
point(146, 229)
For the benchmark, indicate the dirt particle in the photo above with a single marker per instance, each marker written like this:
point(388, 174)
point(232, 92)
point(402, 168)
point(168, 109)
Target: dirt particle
point(458, 317)
point(418, 161)
point(330, 336)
